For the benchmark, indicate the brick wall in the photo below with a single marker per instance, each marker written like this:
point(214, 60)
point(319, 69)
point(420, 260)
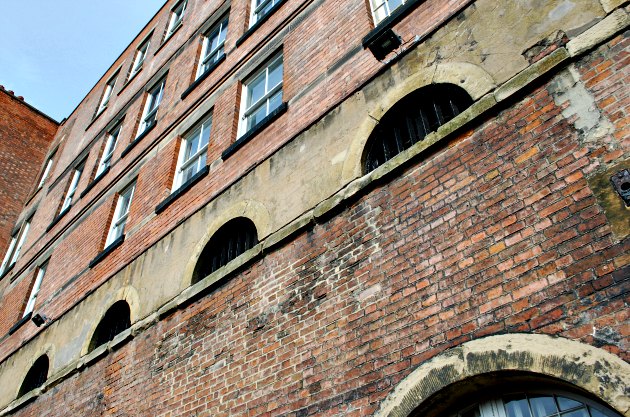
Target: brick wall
point(25, 135)
point(496, 232)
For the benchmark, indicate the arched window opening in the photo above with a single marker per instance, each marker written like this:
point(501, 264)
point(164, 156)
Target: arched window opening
point(36, 376)
point(507, 394)
point(413, 118)
point(231, 240)
point(115, 320)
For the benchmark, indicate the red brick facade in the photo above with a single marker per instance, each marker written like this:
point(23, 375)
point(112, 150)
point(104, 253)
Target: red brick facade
point(25, 136)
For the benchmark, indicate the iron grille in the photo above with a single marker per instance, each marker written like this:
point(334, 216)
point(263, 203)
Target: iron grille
point(231, 240)
point(116, 319)
point(413, 118)
point(36, 376)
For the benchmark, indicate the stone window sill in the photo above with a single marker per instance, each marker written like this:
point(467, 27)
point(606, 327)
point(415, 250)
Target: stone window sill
point(182, 189)
point(109, 249)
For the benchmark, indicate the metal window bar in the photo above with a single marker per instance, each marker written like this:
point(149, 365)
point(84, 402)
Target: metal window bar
point(408, 122)
point(230, 241)
point(36, 376)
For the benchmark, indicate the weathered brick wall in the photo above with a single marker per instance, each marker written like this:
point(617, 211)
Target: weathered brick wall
point(25, 136)
point(497, 232)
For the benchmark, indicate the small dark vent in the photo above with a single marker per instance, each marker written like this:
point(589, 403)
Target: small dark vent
point(116, 319)
point(411, 119)
point(36, 376)
point(231, 240)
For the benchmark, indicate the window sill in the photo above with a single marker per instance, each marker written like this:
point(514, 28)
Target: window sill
point(390, 21)
point(168, 37)
point(57, 218)
point(94, 182)
point(138, 139)
point(254, 131)
point(202, 77)
point(129, 80)
point(259, 23)
point(20, 323)
point(109, 249)
point(182, 189)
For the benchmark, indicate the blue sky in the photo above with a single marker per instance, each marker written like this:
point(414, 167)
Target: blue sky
point(52, 52)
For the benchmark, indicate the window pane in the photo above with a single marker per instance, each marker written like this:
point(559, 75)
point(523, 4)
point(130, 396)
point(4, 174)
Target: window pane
point(517, 406)
point(257, 116)
point(567, 403)
point(543, 406)
point(205, 134)
point(275, 75)
point(256, 89)
point(394, 4)
point(275, 101)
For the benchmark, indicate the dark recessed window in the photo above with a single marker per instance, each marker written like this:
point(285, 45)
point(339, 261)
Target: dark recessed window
point(231, 240)
point(117, 319)
point(411, 119)
point(36, 376)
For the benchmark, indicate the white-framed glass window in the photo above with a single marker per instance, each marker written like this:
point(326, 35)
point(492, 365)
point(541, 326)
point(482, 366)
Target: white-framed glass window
point(212, 49)
point(17, 241)
point(30, 305)
point(121, 213)
point(177, 16)
point(149, 114)
point(382, 9)
point(46, 172)
point(193, 153)
point(538, 404)
point(260, 8)
point(262, 94)
point(111, 139)
point(138, 60)
point(107, 93)
point(74, 184)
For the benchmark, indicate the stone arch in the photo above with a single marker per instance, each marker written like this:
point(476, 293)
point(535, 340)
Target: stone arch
point(472, 78)
point(128, 294)
point(590, 369)
point(249, 209)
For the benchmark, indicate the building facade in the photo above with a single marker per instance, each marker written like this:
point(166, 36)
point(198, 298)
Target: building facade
point(335, 208)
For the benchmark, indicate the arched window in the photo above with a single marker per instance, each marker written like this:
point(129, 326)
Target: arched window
point(115, 320)
point(411, 119)
point(36, 376)
point(537, 404)
point(231, 240)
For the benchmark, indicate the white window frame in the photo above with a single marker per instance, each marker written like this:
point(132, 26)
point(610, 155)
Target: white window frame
point(184, 163)
point(111, 140)
point(74, 184)
point(246, 111)
point(46, 171)
point(121, 214)
point(379, 6)
point(107, 93)
point(149, 114)
point(30, 305)
point(140, 56)
point(176, 19)
point(255, 14)
point(209, 56)
point(17, 241)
